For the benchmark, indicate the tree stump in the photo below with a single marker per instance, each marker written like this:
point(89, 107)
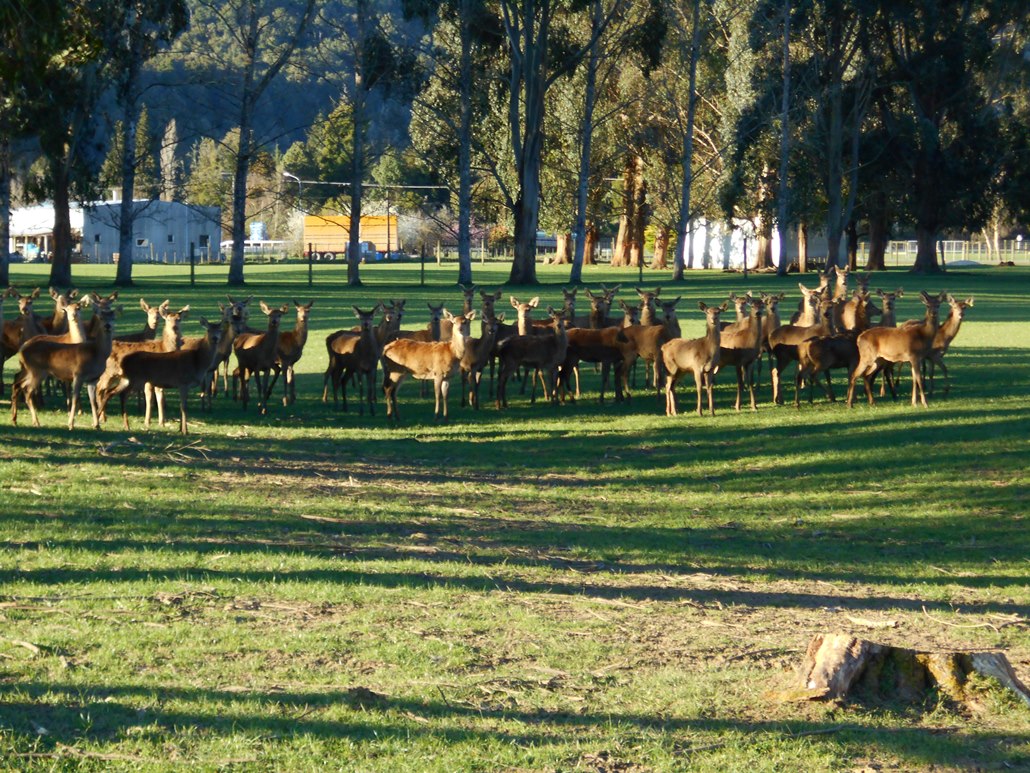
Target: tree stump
point(836, 663)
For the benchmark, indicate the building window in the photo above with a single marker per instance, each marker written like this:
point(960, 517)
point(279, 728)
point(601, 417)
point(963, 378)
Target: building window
point(203, 240)
point(171, 239)
point(141, 242)
point(96, 238)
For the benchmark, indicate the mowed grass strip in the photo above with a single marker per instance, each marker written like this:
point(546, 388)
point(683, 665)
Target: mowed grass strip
point(548, 588)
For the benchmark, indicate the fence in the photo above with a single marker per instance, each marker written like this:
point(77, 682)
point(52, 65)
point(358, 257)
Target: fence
point(902, 254)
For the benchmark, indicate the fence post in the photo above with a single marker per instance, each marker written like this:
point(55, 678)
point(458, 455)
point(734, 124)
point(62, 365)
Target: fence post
point(193, 265)
point(310, 253)
point(422, 270)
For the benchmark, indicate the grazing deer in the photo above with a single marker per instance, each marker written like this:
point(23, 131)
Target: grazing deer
point(289, 351)
point(543, 352)
point(699, 356)
point(427, 361)
point(942, 340)
point(170, 340)
point(149, 331)
point(909, 343)
point(78, 363)
point(358, 356)
point(255, 356)
point(478, 352)
point(181, 369)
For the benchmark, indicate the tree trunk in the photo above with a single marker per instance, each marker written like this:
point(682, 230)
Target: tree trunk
point(640, 215)
point(661, 247)
point(126, 211)
point(5, 210)
point(802, 248)
point(61, 263)
point(465, 149)
point(835, 205)
point(763, 256)
point(683, 241)
point(620, 254)
point(852, 234)
point(356, 196)
point(620, 250)
point(877, 233)
point(586, 139)
point(590, 246)
point(926, 251)
point(563, 251)
point(782, 199)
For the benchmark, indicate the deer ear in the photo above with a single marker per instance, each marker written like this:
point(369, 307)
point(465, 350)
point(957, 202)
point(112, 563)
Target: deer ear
point(899, 292)
point(675, 300)
point(203, 321)
point(969, 301)
point(143, 305)
point(284, 308)
point(35, 293)
point(264, 308)
point(803, 288)
point(471, 315)
point(184, 310)
point(514, 303)
point(724, 306)
point(534, 301)
point(499, 317)
point(702, 305)
point(446, 315)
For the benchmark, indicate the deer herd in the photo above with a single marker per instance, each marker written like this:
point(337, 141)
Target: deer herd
point(834, 328)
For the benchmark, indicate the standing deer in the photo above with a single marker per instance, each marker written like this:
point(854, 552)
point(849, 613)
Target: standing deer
point(149, 331)
point(942, 341)
point(909, 343)
point(358, 356)
point(741, 346)
point(181, 369)
point(478, 352)
point(542, 352)
point(784, 342)
point(78, 363)
point(648, 315)
point(17, 331)
point(432, 361)
point(236, 315)
point(255, 356)
point(648, 340)
point(699, 356)
point(289, 351)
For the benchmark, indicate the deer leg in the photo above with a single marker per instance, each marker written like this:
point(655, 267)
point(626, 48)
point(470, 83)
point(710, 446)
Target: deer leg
point(76, 385)
point(917, 382)
point(148, 391)
point(670, 395)
point(944, 370)
point(91, 393)
point(444, 388)
point(182, 410)
point(699, 383)
point(797, 388)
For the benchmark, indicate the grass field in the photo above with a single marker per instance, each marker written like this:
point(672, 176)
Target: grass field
point(572, 588)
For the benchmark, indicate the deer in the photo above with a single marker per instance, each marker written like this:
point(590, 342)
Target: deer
point(170, 340)
point(255, 356)
point(149, 331)
point(17, 331)
point(909, 343)
point(648, 311)
point(78, 363)
point(100, 305)
point(289, 351)
point(741, 347)
point(543, 352)
point(358, 355)
point(699, 356)
point(236, 315)
point(809, 304)
point(740, 306)
point(338, 344)
point(609, 346)
point(180, 369)
point(821, 354)
point(428, 361)
point(648, 340)
point(468, 298)
point(784, 341)
point(840, 288)
point(942, 340)
point(57, 324)
point(478, 352)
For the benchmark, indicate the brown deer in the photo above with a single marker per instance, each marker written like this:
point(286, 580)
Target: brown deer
point(427, 361)
point(808, 307)
point(17, 331)
point(170, 340)
point(648, 310)
point(236, 315)
point(181, 369)
point(149, 331)
point(908, 343)
point(648, 340)
point(358, 356)
point(58, 323)
point(840, 288)
point(289, 351)
point(942, 340)
point(255, 356)
point(821, 354)
point(609, 347)
point(478, 352)
point(741, 347)
point(784, 342)
point(699, 356)
point(339, 345)
point(78, 363)
point(542, 352)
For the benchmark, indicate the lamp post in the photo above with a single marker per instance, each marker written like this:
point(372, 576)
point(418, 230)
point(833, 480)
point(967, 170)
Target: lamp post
point(300, 196)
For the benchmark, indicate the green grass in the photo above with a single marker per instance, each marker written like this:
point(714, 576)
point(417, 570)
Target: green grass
point(576, 588)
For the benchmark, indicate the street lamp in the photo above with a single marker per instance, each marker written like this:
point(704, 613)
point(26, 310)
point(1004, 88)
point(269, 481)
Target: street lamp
point(300, 185)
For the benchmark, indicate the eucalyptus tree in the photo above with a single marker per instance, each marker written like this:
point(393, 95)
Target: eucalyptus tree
point(239, 47)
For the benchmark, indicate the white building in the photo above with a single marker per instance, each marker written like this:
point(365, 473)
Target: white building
point(162, 231)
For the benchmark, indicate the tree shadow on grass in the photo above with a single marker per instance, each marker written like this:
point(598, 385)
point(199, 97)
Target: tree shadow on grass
point(73, 714)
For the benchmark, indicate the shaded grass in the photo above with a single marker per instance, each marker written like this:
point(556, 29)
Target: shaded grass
point(581, 587)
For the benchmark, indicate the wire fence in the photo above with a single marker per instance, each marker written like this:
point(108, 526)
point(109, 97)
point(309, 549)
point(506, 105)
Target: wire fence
point(901, 254)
